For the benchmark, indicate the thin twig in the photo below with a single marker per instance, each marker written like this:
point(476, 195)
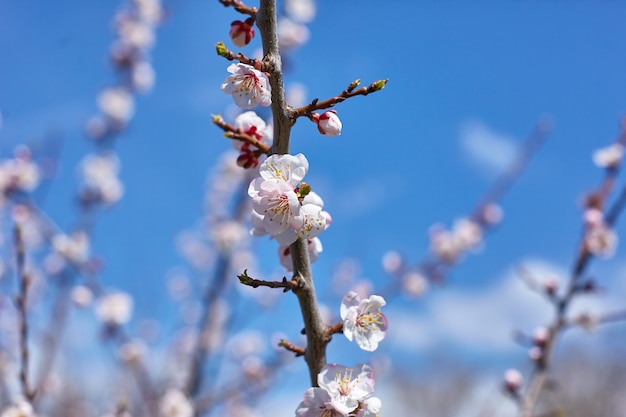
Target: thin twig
point(255, 283)
point(21, 301)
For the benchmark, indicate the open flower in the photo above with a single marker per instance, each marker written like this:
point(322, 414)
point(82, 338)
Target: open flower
point(317, 403)
point(346, 386)
point(363, 321)
point(278, 203)
point(248, 86)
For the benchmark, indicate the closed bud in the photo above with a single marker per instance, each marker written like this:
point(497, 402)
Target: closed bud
point(241, 33)
point(513, 380)
point(328, 123)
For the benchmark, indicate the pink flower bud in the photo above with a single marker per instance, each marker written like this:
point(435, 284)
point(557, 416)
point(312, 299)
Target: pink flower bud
point(513, 380)
point(328, 123)
point(241, 33)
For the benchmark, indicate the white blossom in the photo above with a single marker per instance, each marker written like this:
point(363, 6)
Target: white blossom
point(115, 308)
point(248, 86)
point(317, 403)
point(117, 103)
point(363, 320)
point(314, 247)
point(346, 386)
point(74, 248)
point(610, 156)
point(20, 408)
point(601, 240)
point(174, 403)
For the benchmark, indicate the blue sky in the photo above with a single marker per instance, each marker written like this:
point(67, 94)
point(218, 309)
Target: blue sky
point(467, 80)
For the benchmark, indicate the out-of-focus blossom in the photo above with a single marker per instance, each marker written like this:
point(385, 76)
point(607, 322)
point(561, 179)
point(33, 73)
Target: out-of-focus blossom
point(175, 403)
point(82, 296)
point(302, 11)
point(132, 351)
point(414, 284)
point(491, 214)
point(248, 86)
point(392, 262)
point(291, 34)
point(328, 123)
point(241, 33)
point(601, 241)
point(513, 380)
point(227, 235)
point(117, 104)
point(20, 173)
point(138, 33)
point(363, 321)
point(346, 386)
point(142, 76)
point(115, 309)
point(99, 175)
point(610, 156)
point(150, 11)
point(74, 248)
point(21, 408)
point(449, 246)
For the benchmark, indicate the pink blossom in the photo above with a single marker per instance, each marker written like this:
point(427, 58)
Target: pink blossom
point(241, 33)
point(248, 86)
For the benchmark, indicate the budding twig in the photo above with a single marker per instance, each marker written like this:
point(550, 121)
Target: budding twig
point(349, 92)
point(240, 7)
point(291, 347)
point(224, 52)
point(255, 283)
point(583, 258)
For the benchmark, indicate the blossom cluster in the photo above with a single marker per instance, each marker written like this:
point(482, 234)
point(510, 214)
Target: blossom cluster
point(19, 174)
point(135, 25)
point(466, 234)
point(342, 392)
point(284, 206)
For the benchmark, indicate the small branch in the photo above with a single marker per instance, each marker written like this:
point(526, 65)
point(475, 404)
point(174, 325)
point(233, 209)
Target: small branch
point(20, 301)
point(583, 258)
point(238, 134)
point(345, 94)
point(336, 329)
point(291, 347)
point(240, 7)
point(224, 52)
point(255, 283)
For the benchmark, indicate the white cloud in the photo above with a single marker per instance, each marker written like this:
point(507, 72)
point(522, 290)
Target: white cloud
point(490, 151)
point(485, 320)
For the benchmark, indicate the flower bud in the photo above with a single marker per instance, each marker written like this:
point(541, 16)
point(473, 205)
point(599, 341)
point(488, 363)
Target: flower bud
point(241, 33)
point(513, 380)
point(328, 123)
